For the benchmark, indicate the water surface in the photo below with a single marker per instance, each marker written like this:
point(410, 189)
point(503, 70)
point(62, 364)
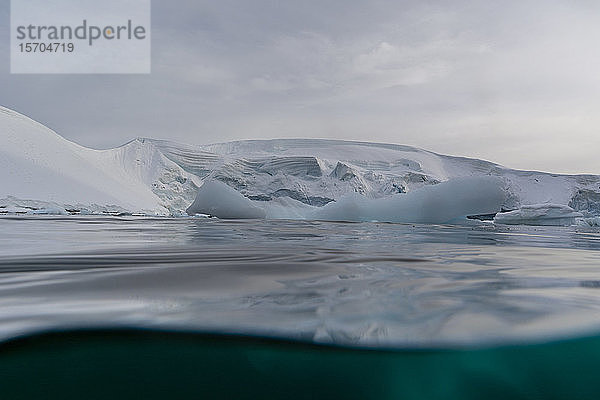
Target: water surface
point(365, 284)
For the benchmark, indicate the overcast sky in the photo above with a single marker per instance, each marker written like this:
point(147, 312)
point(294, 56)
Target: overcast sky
point(514, 82)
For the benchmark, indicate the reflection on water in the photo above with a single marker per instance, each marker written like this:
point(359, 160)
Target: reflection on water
point(347, 283)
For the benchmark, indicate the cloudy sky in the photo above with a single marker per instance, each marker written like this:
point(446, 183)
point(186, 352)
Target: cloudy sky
point(514, 82)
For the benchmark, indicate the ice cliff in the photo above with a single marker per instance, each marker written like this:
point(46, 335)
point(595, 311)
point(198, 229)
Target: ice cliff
point(41, 172)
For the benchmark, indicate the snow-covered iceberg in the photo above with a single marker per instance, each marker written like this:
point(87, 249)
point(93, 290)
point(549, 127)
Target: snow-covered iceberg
point(539, 214)
point(289, 178)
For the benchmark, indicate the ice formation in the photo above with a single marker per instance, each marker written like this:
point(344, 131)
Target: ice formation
point(587, 222)
point(539, 214)
point(439, 203)
point(41, 172)
point(38, 165)
point(431, 204)
point(219, 200)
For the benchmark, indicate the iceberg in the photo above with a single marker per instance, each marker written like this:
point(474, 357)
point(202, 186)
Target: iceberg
point(441, 203)
point(219, 200)
point(435, 204)
point(540, 214)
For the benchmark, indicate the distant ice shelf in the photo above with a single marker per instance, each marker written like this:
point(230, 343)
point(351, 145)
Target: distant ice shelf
point(43, 173)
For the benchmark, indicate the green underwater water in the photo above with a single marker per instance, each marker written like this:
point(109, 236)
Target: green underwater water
point(142, 364)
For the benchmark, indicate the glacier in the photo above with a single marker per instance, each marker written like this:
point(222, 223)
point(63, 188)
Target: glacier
point(43, 173)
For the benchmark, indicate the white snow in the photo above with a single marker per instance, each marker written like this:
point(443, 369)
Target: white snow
point(539, 214)
point(287, 178)
point(38, 164)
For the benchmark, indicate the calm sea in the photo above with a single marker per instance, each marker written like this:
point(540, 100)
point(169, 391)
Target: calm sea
point(357, 284)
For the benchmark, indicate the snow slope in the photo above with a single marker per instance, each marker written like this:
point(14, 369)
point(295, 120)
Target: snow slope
point(39, 170)
point(38, 164)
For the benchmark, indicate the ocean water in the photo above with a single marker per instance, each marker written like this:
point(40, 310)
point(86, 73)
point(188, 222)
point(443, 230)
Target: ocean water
point(367, 284)
point(480, 308)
